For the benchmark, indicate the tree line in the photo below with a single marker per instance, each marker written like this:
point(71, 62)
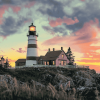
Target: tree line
point(7, 64)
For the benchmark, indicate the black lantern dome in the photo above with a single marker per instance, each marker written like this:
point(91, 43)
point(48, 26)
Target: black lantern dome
point(32, 30)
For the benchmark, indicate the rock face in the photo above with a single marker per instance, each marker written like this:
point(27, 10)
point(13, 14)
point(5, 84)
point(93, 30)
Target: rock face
point(61, 80)
point(12, 81)
point(84, 83)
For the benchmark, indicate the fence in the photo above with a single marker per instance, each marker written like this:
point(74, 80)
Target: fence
point(82, 66)
point(67, 66)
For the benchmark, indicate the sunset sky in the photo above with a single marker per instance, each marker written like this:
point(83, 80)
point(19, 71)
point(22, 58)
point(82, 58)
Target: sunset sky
point(59, 23)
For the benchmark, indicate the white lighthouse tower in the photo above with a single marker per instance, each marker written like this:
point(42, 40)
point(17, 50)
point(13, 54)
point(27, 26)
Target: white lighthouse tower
point(32, 46)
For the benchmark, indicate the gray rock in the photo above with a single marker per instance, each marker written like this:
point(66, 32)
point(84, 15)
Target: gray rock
point(62, 80)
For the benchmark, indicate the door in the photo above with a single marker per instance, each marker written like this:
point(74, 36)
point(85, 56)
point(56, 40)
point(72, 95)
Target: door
point(50, 62)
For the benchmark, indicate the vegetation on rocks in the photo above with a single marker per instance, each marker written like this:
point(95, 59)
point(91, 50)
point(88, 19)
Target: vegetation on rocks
point(49, 83)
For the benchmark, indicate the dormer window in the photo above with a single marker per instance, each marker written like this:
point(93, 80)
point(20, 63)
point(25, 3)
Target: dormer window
point(62, 55)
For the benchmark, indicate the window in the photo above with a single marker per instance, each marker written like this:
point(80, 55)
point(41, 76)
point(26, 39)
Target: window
point(48, 63)
point(53, 62)
point(44, 62)
point(62, 55)
point(61, 62)
point(41, 61)
point(64, 62)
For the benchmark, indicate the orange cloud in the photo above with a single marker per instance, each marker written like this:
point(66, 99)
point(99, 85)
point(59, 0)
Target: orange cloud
point(82, 43)
point(59, 21)
point(10, 60)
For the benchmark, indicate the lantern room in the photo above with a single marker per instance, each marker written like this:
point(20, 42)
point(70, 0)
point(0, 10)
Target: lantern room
point(32, 27)
point(32, 30)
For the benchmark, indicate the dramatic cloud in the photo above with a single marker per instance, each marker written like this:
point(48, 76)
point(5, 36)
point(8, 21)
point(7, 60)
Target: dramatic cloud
point(2, 11)
point(16, 9)
point(81, 42)
point(11, 26)
point(29, 4)
point(67, 23)
point(66, 20)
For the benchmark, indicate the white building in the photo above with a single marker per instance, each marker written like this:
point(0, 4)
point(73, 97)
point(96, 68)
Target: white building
point(32, 46)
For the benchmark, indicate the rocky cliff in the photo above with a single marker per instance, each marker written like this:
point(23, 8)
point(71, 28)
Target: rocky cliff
point(73, 84)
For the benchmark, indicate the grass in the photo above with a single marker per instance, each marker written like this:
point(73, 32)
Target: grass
point(29, 91)
point(19, 92)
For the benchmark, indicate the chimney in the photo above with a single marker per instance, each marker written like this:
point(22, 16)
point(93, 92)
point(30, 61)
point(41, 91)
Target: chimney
point(61, 48)
point(53, 49)
point(49, 50)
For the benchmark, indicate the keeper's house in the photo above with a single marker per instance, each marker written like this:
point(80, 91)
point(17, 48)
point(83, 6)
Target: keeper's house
point(51, 58)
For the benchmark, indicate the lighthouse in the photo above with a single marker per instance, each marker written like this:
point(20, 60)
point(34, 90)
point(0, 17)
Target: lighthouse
point(32, 46)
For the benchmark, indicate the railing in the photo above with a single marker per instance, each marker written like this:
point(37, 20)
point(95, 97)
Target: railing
point(66, 66)
point(82, 66)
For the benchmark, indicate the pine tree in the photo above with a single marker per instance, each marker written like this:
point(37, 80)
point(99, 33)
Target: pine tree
point(7, 63)
point(70, 57)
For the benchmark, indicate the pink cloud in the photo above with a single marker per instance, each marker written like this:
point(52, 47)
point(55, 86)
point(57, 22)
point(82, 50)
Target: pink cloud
point(16, 8)
point(59, 21)
point(4, 37)
point(29, 4)
point(2, 11)
point(25, 48)
point(27, 21)
point(69, 21)
point(82, 0)
point(20, 50)
point(45, 50)
point(3, 8)
point(81, 42)
point(2, 51)
point(12, 49)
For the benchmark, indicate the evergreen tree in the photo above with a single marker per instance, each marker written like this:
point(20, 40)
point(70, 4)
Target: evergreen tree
point(7, 63)
point(70, 57)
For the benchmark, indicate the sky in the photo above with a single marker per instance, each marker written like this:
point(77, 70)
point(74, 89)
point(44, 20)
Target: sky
point(59, 23)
